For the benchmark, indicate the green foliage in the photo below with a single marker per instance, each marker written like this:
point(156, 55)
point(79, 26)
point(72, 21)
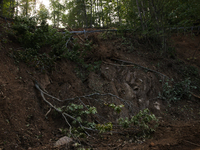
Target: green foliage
point(43, 15)
point(151, 20)
point(76, 13)
point(35, 38)
point(7, 8)
point(189, 71)
point(83, 69)
point(183, 12)
point(178, 91)
point(57, 11)
point(147, 17)
point(104, 127)
point(74, 54)
point(34, 59)
point(80, 113)
point(77, 55)
point(143, 120)
point(117, 108)
point(80, 118)
point(93, 66)
point(24, 24)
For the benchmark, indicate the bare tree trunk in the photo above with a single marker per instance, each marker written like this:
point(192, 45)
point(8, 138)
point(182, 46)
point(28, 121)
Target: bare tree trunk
point(98, 13)
point(91, 15)
point(1, 7)
point(155, 14)
point(157, 7)
point(127, 9)
point(102, 15)
point(141, 20)
point(35, 10)
point(54, 19)
point(17, 9)
point(86, 23)
point(110, 19)
point(58, 19)
point(26, 7)
point(95, 6)
point(10, 8)
point(143, 8)
point(118, 8)
point(13, 8)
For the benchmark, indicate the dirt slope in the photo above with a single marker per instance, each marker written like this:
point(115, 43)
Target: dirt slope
point(23, 124)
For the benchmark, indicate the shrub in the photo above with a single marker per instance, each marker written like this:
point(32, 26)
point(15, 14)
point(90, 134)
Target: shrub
point(142, 120)
point(177, 91)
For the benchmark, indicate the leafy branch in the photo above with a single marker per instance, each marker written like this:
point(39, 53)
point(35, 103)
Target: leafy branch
point(78, 116)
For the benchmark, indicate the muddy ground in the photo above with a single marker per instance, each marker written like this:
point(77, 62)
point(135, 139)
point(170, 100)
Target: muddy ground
point(129, 69)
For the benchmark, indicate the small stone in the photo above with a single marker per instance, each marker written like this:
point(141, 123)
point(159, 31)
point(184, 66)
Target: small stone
point(157, 105)
point(151, 144)
point(63, 141)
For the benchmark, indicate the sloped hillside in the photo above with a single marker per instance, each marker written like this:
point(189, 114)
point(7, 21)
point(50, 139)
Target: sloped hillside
point(123, 72)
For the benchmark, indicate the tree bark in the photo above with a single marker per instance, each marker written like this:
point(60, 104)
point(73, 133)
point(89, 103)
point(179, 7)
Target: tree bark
point(85, 13)
point(26, 8)
point(91, 15)
point(102, 15)
point(139, 10)
point(1, 7)
point(118, 8)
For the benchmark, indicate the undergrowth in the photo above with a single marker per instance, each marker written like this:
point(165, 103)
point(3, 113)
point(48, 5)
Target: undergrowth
point(173, 92)
point(82, 119)
point(142, 120)
point(34, 38)
point(189, 71)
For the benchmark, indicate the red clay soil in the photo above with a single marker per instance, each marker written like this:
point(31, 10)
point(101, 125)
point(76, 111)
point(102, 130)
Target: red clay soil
point(23, 124)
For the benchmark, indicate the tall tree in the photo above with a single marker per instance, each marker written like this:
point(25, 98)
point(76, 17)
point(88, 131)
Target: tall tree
point(1, 7)
point(57, 9)
point(43, 14)
point(143, 14)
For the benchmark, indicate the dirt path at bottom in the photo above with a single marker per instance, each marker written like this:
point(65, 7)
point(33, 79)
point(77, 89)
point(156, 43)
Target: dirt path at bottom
point(167, 137)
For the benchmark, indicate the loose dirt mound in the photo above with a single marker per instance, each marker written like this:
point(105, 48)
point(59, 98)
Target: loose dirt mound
point(23, 122)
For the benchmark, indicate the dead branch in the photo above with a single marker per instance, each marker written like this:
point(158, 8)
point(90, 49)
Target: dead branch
point(118, 64)
point(129, 106)
point(141, 67)
point(195, 95)
point(48, 112)
point(118, 146)
point(62, 113)
point(192, 143)
point(76, 34)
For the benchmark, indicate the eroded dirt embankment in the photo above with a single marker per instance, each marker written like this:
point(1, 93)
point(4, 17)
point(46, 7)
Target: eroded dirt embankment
point(23, 124)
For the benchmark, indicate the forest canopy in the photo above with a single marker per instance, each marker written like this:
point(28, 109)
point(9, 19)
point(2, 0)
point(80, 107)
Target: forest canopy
point(134, 14)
